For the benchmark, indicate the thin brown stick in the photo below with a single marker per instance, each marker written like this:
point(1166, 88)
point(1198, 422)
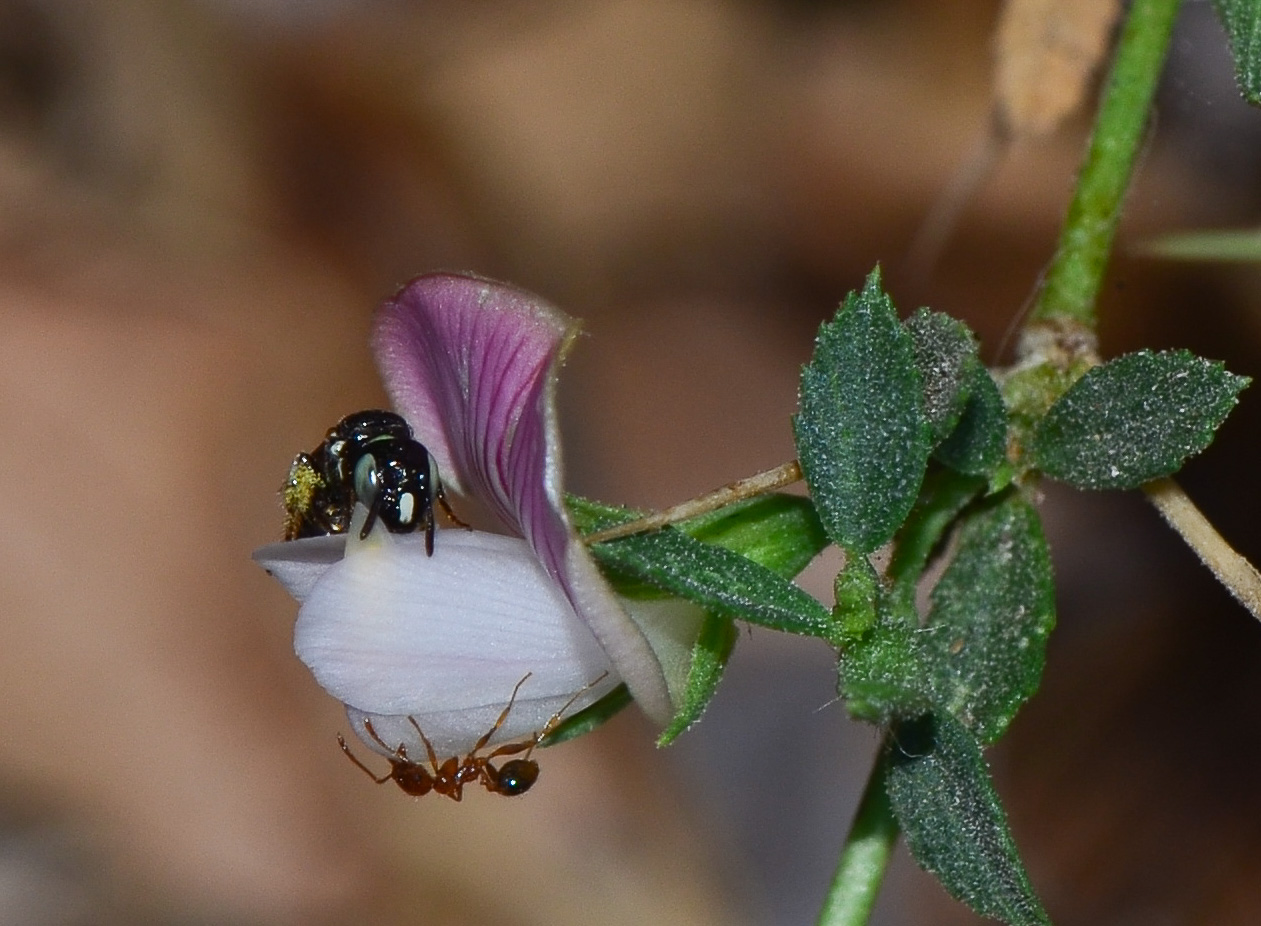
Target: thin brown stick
point(760, 484)
point(1238, 575)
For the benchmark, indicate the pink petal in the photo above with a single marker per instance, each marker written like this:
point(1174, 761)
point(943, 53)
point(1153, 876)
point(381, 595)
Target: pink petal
point(471, 364)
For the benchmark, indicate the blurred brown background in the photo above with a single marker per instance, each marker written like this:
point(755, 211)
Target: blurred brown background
point(200, 205)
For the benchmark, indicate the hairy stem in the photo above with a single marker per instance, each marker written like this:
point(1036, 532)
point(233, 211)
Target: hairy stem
point(729, 494)
point(865, 856)
point(1072, 283)
point(1238, 575)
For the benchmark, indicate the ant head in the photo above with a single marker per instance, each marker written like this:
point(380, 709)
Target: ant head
point(516, 777)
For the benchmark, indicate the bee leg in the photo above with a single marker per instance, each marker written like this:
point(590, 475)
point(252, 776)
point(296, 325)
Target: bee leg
point(441, 496)
point(373, 510)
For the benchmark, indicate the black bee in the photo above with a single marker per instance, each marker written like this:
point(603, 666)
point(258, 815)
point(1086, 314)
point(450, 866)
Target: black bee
point(371, 458)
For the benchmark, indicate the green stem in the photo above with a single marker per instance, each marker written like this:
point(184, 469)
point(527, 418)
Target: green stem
point(1072, 283)
point(865, 856)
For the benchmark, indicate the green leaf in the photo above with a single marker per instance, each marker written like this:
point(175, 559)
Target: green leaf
point(862, 437)
point(978, 444)
point(1227, 244)
point(946, 354)
point(954, 824)
point(992, 611)
point(1134, 419)
point(881, 676)
point(590, 717)
point(720, 581)
point(942, 498)
point(709, 658)
point(1242, 21)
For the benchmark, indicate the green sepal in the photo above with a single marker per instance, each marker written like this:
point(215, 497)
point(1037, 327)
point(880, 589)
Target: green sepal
point(709, 659)
point(881, 675)
point(862, 437)
point(1134, 419)
point(778, 531)
point(992, 611)
point(857, 590)
point(1242, 21)
point(955, 827)
point(718, 580)
point(589, 516)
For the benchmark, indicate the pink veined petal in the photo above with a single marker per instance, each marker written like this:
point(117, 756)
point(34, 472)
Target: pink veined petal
point(463, 358)
point(471, 364)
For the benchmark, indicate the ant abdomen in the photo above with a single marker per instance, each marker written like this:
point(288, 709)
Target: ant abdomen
point(515, 777)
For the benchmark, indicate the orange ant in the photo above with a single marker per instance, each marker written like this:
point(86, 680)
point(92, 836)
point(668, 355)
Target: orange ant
point(516, 776)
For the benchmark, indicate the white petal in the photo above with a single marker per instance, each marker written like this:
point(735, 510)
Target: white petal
point(454, 733)
point(391, 631)
point(671, 626)
point(298, 564)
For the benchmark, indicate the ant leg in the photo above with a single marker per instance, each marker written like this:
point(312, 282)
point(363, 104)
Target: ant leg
point(428, 524)
point(367, 771)
point(554, 720)
point(401, 752)
point(433, 757)
point(441, 496)
point(481, 743)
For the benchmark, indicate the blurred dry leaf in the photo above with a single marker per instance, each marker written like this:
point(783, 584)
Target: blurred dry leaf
point(1046, 52)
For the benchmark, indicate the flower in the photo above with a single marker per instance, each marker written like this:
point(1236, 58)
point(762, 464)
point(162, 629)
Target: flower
point(393, 633)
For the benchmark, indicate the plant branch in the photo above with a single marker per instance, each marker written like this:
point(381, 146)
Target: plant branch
point(1072, 283)
point(865, 856)
point(1235, 572)
point(760, 484)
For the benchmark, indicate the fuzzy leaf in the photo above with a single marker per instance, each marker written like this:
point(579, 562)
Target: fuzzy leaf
point(1242, 21)
point(719, 580)
point(942, 498)
point(945, 352)
point(862, 436)
point(1134, 419)
point(992, 612)
point(956, 829)
point(978, 444)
